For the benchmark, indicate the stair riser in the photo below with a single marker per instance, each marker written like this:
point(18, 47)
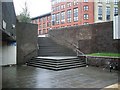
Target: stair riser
point(56, 62)
point(57, 66)
point(48, 47)
point(50, 63)
point(57, 69)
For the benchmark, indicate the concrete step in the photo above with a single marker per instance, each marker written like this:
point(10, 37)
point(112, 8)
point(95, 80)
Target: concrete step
point(55, 54)
point(47, 47)
point(56, 64)
point(58, 68)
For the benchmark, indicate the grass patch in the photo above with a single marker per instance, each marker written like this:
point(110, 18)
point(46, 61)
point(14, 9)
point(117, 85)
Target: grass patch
point(105, 54)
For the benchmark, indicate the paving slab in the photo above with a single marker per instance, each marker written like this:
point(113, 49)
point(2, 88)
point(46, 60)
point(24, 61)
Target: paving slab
point(83, 77)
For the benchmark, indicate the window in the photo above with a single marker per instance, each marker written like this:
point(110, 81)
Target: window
point(115, 2)
point(53, 2)
point(99, 1)
point(44, 31)
point(69, 4)
point(44, 25)
point(69, 16)
point(85, 0)
point(48, 24)
point(86, 16)
point(75, 2)
point(40, 19)
point(59, 7)
point(40, 26)
point(76, 14)
point(62, 17)
point(53, 19)
point(107, 13)
point(40, 32)
point(85, 23)
point(107, 1)
point(58, 18)
point(48, 17)
point(115, 11)
point(44, 19)
point(53, 9)
point(85, 8)
point(99, 12)
point(62, 6)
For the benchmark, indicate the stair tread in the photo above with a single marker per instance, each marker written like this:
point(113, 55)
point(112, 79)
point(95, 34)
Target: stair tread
point(58, 68)
point(48, 47)
point(68, 63)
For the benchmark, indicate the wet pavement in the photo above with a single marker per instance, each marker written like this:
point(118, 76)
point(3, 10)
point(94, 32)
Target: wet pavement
point(83, 77)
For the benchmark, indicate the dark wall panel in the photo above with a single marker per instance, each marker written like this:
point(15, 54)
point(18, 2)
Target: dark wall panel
point(9, 16)
point(26, 42)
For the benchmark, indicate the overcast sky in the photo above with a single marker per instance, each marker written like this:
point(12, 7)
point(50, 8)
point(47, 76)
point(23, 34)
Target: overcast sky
point(35, 7)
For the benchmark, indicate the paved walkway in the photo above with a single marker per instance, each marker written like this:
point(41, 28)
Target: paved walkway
point(84, 77)
point(112, 86)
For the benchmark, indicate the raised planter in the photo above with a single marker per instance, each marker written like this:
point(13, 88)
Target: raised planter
point(103, 61)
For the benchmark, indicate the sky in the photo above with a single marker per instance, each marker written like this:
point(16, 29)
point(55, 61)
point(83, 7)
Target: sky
point(35, 7)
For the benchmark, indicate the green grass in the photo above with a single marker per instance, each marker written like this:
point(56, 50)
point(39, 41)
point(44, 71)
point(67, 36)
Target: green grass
point(105, 54)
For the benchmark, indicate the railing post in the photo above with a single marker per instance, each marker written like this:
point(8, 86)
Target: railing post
point(86, 60)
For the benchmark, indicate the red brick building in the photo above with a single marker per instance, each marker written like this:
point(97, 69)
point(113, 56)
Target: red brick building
point(71, 13)
point(44, 23)
point(65, 14)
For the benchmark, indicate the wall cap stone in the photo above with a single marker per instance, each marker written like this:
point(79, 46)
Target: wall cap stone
point(102, 56)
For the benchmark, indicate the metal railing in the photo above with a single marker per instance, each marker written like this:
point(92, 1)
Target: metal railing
point(27, 57)
point(76, 48)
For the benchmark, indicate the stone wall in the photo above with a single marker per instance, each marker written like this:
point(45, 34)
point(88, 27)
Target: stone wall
point(103, 61)
point(88, 38)
point(26, 42)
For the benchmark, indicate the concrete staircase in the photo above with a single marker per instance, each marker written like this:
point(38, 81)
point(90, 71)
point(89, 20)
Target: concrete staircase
point(57, 64)
point(55, 57)
point(47, 47)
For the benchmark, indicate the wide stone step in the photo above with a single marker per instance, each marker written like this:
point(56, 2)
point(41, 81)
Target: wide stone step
point(56, 63)
point(55, 54)
point(55, 60)
point(58, 68)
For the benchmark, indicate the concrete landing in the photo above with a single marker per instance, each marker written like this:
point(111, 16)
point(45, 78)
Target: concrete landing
point(31, 77)
point(58, 57)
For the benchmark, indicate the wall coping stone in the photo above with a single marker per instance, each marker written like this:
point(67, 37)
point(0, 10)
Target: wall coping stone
point(102, 57)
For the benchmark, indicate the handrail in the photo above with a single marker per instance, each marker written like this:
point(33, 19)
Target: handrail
point(77, 49)
point(75, 46)
point(29, 53)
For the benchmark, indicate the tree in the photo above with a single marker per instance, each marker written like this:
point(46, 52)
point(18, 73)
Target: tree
point(24, 15)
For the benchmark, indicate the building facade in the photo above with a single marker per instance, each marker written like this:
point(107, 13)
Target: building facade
point(66, 13)
point(8, 33)
point(44, 23)
point(105, 10)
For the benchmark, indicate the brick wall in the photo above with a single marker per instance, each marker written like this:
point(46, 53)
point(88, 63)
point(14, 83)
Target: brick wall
point(103, 61)
point(90, 38)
